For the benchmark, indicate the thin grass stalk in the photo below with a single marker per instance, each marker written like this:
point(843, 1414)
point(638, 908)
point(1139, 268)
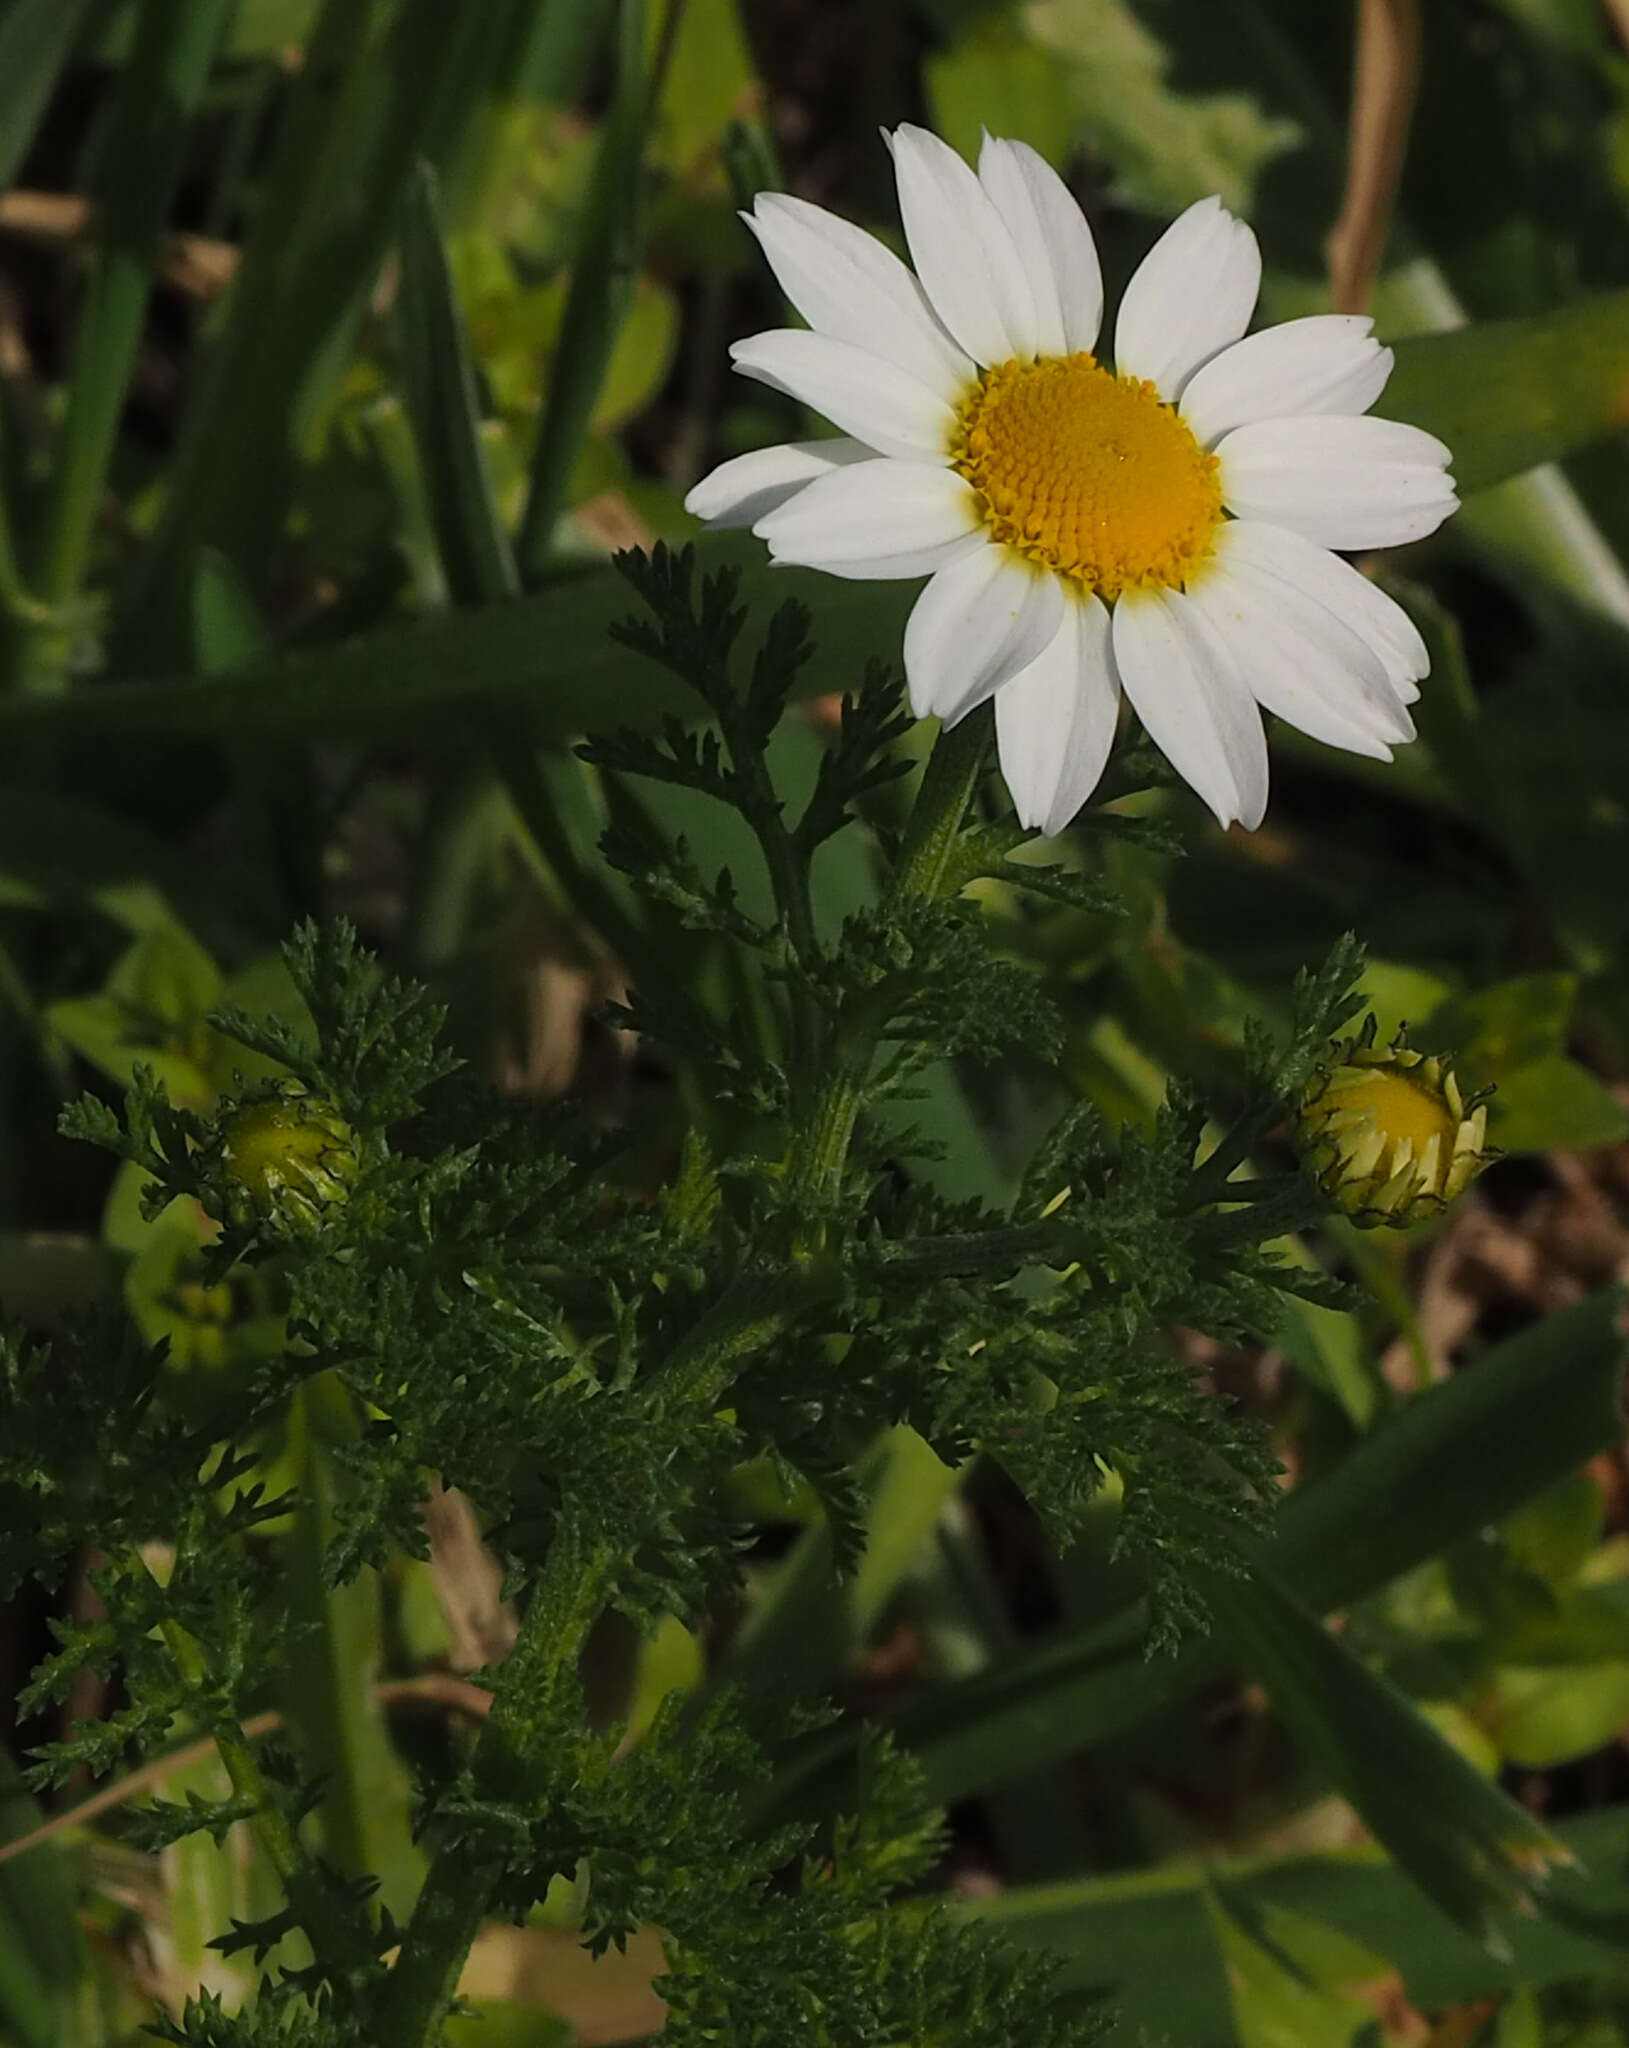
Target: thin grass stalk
point(376, 82)
point(137, 168)
point(602, 282)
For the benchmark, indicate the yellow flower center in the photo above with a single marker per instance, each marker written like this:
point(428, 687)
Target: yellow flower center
point(1090, 473)
point(1400, 1109)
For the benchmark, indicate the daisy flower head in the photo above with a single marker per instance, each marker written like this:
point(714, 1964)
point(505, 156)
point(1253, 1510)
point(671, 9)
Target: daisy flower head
point(1166, 528)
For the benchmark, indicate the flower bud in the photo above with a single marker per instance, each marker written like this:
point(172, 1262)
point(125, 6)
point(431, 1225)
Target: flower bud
point(282, 1159)
point(1388, 1134)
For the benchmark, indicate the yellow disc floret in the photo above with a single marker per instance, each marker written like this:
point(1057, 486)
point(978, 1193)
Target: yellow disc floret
point(1388, 1133)
point(1088, 473)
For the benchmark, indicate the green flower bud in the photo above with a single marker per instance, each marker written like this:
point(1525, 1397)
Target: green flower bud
point(281, 1159)
point(1388, 1134)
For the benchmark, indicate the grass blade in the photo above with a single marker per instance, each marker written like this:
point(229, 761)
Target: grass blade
point(602, 282)
point(808, 1620)
point(36, 38)
point(1471, 1849)
point(137, 167)
point(444, 407)
point(378, 79)
point(1120, 1932)
point(548, 653)
point(1453, 1460)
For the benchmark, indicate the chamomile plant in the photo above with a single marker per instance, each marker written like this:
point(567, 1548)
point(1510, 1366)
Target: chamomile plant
point(490, 1297)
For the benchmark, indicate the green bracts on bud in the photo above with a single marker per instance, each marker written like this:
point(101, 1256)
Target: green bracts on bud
point(280, 1160)
point(1388, 1134)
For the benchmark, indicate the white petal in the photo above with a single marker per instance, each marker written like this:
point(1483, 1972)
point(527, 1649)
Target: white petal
point(1055, 719)
point(1184, 688)
point(1327, 363)
point(881, 511)
point(1192, 294)
point(1338, 587)
point(1282, 645)
point(1345, 483)
point(878, 402)
point(963, 253)
point(742, 490)
point(1054, 245)
point(975, 626)
point(847, 284)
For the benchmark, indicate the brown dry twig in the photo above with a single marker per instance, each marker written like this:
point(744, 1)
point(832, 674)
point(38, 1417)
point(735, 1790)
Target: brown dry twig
point(1385, 78)
point(431, 1688)
point(194, 264)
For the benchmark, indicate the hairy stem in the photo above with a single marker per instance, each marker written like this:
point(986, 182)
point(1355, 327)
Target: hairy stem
point(337, 1943)
point(415, 1998)
point(948, 783)
point(578, 1576)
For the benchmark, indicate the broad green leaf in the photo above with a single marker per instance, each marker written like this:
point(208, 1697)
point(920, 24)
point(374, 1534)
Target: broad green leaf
point(1555, 1102)
point(1555, 1534)
point(1547, 1716)
point(1290, 1980)
point(671, 1660)
point(1497, 1030)
point(1469, 1846)
point(1507, 395)
point(152, 1010)
point(548, 656)
point(1400, 993)
point(1120, 1933)
point(996, 77)
point(708, 84)
point(641, 356)
point(1514, 1034)
point(1169, 144)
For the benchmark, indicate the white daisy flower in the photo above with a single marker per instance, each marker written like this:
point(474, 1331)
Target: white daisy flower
point(1163, 528)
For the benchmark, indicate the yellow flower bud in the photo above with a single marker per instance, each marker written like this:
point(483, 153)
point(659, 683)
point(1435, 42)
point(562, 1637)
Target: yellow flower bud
point(282, 1158)
point(1388, 1133)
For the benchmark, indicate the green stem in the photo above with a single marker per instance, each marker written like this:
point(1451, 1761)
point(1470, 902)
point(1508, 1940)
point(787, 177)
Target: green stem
point(925, 867)
point(339, 1946)
point(570, 1593)
point(520, 770)
point(948, 783)
point(578, 1575)
point(416, 1996)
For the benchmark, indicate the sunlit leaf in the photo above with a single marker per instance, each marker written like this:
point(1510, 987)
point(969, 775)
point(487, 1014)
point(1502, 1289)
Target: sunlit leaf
point(1507, 395)
point(1170, 145)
